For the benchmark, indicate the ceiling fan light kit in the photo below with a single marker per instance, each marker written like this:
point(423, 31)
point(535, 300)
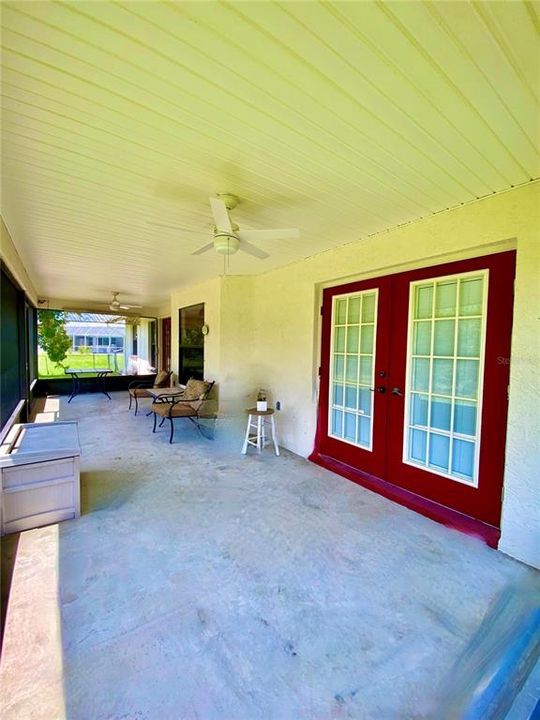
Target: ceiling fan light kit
point(226, 244)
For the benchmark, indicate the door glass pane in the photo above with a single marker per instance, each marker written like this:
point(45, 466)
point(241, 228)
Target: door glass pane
point(419, 409)
point(441, 411)
point(339, 367)
point(341, 314)
point(445, 299)
point(470, 296)
point(442, 376)
point(340, 339)
point(467, 378)
point(351, 394)
point(418, 444)
point(465, 417)
point(420, 373)
point(469, 333)
point(368, 307)
point(353, 333)
point(366, 369)
point(350, 426)
point(366, 343)
point(364, 401)
point(422, 338)
point(352, 339)
point(439, 450)
point(443, 342)
point(338, 394)
point(352, 368)
point(337, 423)
point(364, 430)
point(354, 310)
point(424, 301)
point(444, 386)
point(463, 458)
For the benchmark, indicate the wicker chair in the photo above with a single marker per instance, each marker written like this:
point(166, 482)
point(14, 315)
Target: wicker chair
point(191, 402)
point(138, 390)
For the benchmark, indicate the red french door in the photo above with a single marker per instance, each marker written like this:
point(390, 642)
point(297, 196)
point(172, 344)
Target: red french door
point(414, 380)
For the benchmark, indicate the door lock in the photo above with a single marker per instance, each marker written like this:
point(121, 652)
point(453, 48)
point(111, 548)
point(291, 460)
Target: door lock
point(379, 389)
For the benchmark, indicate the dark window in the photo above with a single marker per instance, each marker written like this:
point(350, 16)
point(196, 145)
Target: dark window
point(153, 343)
point(78, 340)
point(191, 343)
point(117, 342)
point(12, 346)
point(135, 342)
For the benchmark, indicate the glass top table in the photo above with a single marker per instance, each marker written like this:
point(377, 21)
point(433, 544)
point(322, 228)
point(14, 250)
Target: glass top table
point(76, 373)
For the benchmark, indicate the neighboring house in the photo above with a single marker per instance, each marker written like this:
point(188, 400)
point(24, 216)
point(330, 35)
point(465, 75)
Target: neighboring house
point(100, 333)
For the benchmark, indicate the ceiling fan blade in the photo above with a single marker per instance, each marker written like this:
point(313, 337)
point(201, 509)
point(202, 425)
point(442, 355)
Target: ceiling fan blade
point(128, 307)
point(221, 215)
point(252, 250)
point(173, 227)
point(261, 235)
point(203, 249)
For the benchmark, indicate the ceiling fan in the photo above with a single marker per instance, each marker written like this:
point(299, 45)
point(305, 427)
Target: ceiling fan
point(228, 238)
point(115, 304)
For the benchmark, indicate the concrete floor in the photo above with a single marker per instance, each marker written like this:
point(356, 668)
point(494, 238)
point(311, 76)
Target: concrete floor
point(200, 584)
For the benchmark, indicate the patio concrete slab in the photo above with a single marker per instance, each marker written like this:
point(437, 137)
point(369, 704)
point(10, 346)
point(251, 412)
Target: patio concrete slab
point(200, 584)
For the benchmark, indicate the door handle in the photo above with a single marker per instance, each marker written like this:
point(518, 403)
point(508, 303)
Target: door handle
point(379, 389)
point(397, 391)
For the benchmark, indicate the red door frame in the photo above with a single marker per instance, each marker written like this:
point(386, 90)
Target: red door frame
point(452, 504)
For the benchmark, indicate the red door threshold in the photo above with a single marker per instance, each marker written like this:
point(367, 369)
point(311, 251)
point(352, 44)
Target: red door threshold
point(451, 518)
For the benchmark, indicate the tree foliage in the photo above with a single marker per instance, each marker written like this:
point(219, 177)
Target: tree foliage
point(52, 336)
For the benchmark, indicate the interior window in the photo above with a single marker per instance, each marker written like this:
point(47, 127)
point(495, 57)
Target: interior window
point(191, 343)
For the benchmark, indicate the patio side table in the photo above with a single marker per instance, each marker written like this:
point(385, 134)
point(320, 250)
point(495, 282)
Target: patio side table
point(257, 421)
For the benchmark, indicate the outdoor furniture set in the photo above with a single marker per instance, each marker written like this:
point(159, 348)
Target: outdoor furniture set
point(189, 401)
point(192, 402)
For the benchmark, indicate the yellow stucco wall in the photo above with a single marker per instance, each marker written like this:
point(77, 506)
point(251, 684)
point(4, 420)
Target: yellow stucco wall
point(208, 293)
point(270, 331)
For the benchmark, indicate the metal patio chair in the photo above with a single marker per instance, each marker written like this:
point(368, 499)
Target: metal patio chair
point(138, 390)
point(190, 402)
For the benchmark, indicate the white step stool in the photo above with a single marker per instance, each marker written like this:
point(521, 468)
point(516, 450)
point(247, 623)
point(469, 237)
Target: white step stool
point(257, 421)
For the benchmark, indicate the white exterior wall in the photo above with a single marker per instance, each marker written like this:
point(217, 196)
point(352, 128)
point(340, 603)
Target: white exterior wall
point(521, 502)
point(275, 343)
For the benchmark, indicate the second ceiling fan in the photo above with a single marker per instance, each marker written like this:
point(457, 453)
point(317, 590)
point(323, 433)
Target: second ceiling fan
point(228, 238)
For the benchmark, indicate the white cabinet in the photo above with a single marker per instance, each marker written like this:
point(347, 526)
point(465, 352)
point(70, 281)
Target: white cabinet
point(40, 477)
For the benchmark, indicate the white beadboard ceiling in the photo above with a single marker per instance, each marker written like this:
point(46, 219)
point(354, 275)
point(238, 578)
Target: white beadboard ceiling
point(341, 119)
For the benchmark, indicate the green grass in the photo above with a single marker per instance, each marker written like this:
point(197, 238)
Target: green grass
point(47, 369)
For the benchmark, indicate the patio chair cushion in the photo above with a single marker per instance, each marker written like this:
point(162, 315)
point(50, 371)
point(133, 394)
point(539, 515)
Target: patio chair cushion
point(196, 389)
point(162, 379)
point(139, 392)
point(181, 409)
